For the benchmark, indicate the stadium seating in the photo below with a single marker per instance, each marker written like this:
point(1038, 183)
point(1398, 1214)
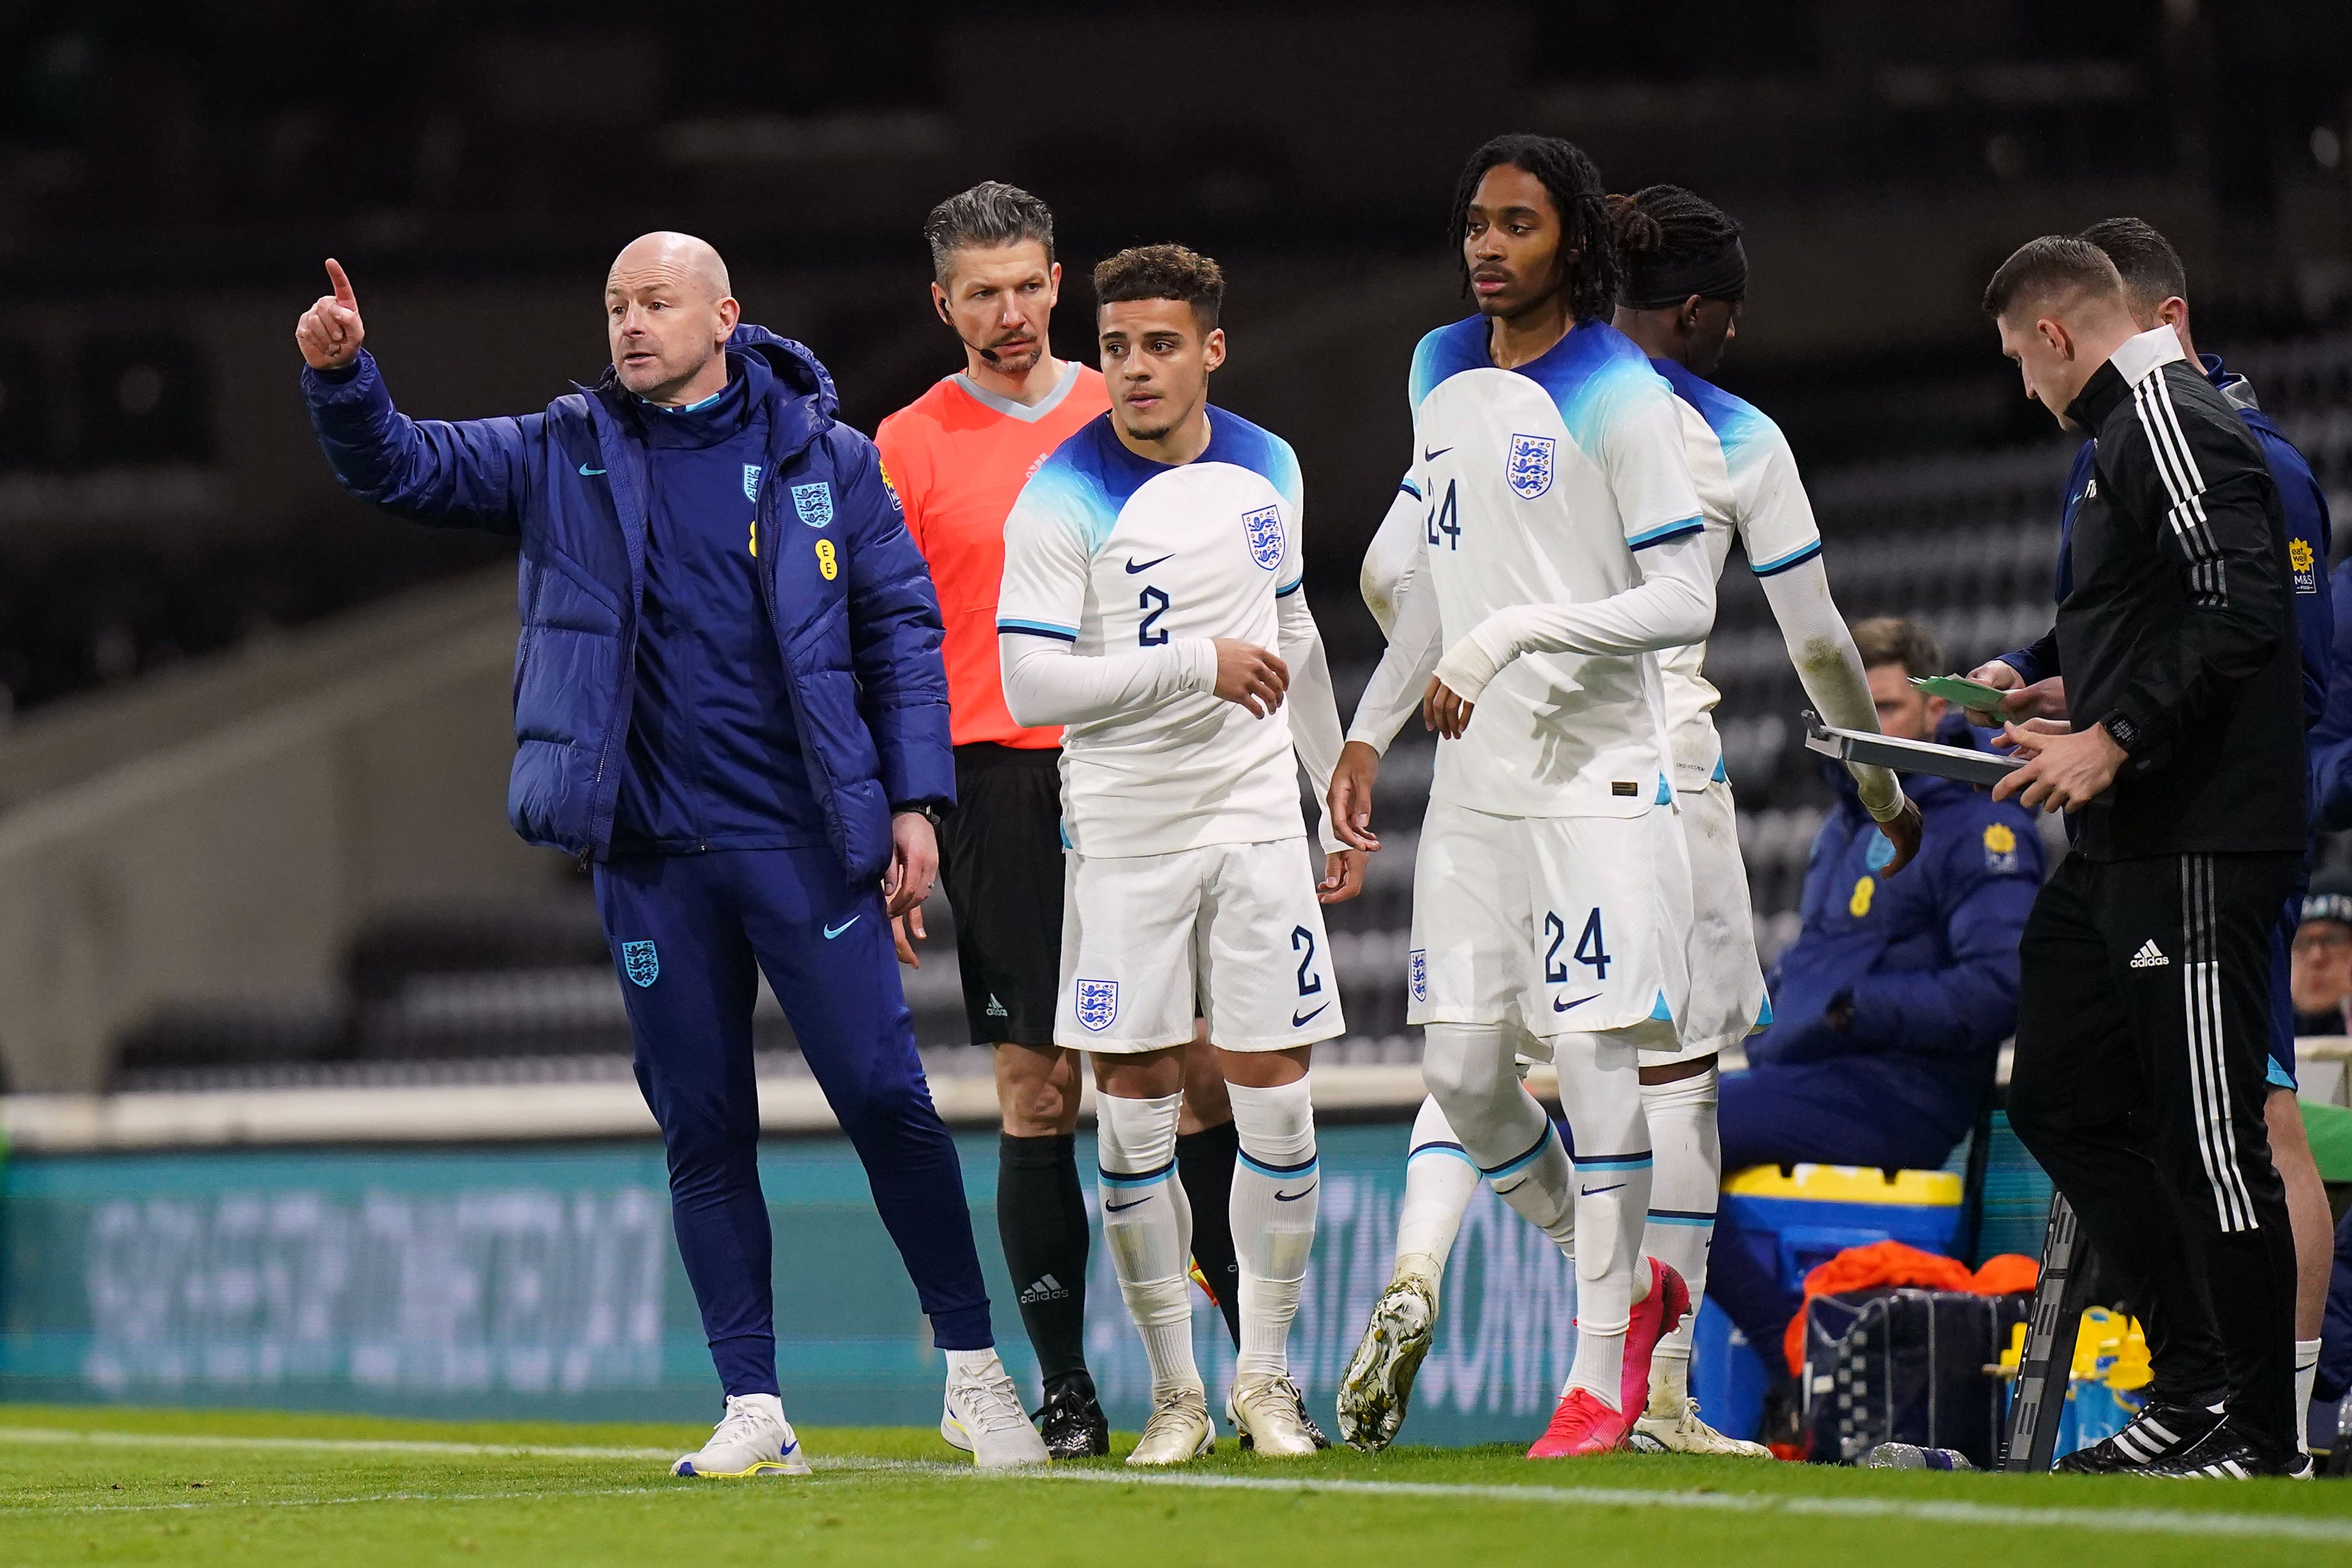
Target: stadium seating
point(522, 988)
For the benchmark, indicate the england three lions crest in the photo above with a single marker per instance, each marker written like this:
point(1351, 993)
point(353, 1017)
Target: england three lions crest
point(813, 502)
point(1098, 1003)
point(1529, 466)
point(1264, 531)
point(642, 961)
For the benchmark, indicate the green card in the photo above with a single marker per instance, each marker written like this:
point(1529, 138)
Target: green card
point(1970, 694)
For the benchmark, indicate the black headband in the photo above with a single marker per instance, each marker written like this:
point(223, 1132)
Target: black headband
point(1717, 274)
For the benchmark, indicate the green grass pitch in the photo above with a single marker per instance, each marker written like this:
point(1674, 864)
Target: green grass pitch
point(201, 1488)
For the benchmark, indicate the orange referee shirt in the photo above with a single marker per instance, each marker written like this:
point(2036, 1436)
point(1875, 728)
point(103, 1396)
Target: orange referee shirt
point(957, 457)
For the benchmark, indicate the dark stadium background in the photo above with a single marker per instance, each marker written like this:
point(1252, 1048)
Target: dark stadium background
point(175, 562)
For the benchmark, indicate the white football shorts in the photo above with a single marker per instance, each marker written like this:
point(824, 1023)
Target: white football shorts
point(1557, 925)
point(1727, 981)
point(1234, 927)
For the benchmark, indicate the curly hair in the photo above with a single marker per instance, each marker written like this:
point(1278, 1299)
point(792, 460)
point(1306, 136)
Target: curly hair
point(1163, 272)
point(1591, 267)
point(1667, 223)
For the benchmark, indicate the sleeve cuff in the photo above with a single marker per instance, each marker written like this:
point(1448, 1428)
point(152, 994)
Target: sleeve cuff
point(2127, 733)
point(1200, 656)
point(1468, 668)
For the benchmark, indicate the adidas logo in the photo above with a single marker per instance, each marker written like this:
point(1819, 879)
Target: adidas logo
point(996, 1008)
point(1045, 1287)
point(2149, 956)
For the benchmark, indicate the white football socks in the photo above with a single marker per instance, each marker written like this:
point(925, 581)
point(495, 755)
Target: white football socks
point(1148, 1227)
point(1601, 1090)
point(1276, 1184)
point(1680, 1227)
point(1440, 1179)
point(2306, 1372)
point(1471, 1069)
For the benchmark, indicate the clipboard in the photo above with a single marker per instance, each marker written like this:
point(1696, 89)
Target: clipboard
point(1906, 756)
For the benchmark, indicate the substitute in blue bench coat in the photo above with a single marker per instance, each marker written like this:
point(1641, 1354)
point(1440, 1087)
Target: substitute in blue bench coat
point(729, 698)
point(1889, 1006)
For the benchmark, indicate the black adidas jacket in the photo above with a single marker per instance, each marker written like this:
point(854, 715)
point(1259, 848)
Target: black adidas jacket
point(2179, 633)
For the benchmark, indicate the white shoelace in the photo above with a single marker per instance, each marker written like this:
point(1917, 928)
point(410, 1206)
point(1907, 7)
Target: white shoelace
point(743, 1422)
point(1175, 1410)
point(994, 1404)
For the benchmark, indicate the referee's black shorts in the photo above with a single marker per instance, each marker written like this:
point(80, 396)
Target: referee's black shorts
point(1001, 859)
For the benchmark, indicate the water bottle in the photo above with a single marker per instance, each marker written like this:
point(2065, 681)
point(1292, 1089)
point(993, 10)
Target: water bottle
point(1910, 1457)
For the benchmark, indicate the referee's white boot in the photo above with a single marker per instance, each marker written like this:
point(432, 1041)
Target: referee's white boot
point(752, 1439)
point(1180, 1431)
point(1270, 1416)
point(1671, 1426)
point(983, 1416)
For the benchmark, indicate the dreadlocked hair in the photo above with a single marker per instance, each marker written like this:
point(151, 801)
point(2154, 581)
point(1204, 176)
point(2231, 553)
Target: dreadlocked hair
point(1667, 223)
point(1588, 242)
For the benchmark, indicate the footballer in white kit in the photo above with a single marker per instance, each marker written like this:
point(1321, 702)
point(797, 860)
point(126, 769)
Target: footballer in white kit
point(1188, 869)
point(1687, 273)
point(1561, 547)
point(1152, 603)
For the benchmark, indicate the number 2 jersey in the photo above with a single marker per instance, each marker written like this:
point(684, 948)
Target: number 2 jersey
point(1117, 554)
point(1541, 485)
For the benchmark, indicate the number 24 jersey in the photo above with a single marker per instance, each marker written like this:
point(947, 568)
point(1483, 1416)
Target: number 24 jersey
point(1542, 485)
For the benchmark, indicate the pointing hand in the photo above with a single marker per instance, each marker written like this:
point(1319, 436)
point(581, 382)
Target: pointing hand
point(330, 333)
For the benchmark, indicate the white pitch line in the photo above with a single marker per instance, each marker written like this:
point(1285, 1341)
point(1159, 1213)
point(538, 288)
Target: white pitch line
point(2153, 1522)
point(62, 1437)
point(2000, 1516)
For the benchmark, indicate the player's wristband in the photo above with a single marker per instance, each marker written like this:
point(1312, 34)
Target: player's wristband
point(1892, 811)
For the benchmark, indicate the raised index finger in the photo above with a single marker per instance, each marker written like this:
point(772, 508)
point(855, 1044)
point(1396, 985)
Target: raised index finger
point(343, 283)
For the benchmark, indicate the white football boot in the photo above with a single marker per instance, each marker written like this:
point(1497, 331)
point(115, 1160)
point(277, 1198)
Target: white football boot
point(1179, 1432)
point(1271, 1417)
point(751, 1439)
point(983, 1417)
point(1377, 1384)
point(1664, 1429)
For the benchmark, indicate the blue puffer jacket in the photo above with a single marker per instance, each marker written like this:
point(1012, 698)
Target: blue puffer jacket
point(848, 594)
point(1925, 959)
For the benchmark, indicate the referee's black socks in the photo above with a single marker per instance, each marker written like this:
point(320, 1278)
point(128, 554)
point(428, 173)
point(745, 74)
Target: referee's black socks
point(1041, 1213)
point(1205, 1164)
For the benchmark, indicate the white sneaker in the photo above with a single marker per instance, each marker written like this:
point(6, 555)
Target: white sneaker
point(751, 1439)
point(1271, 1417)
point(1377, 1384)
point(1178, 1431)
point(1663, 1429)
point(984, 1418)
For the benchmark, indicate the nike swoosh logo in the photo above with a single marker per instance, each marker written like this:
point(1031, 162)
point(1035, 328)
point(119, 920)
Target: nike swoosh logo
point(1596, 1192)
point(1300, 1020)
point(832, 932)
point(588, 472)
point(1148, 565)
point(1429, 456)
point(1294, 1197)
point(1114, 1209)
point(1559, 1007)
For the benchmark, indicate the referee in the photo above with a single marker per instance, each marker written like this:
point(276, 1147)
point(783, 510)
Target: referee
point(2144, 1003)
